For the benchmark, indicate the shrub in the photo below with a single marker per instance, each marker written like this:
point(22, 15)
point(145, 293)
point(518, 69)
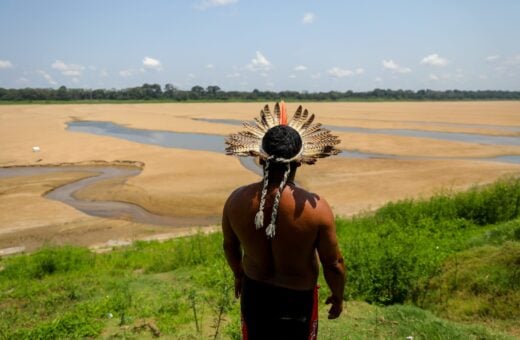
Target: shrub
point(482, 282)
point(391, 254)
point(49, 261)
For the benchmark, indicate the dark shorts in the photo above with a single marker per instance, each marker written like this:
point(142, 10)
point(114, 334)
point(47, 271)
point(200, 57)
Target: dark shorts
point(271, 312)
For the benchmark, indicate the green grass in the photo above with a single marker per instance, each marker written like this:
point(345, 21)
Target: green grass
point(455, 254)
point(392, 253)
point(364, 321)
point(71, 292)
point(479, 283)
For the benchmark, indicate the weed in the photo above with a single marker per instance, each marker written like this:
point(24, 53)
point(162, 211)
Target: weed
point(454, 253)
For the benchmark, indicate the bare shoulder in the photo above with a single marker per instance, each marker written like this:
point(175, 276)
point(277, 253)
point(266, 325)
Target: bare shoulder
point(315, 204)
point(324, 210)
point(240, 193)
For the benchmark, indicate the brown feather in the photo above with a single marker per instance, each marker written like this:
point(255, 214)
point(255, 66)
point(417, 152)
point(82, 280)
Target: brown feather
point(318, 141)
point(276, 116)
point(254, 129)
point(311, 130)
point(299, 122)
point(267, 110)
point(269, 119)
point(296, 116)
point(261, 125)
point(307, 123)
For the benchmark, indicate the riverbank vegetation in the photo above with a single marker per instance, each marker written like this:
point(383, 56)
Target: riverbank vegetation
point(445, 267)
point(170, 93)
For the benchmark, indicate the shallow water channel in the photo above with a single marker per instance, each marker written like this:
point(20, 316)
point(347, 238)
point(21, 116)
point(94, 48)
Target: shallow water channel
point(449, 136)
point(107, 209)
point(169, 139)
point(215, 143)
point(203, 142)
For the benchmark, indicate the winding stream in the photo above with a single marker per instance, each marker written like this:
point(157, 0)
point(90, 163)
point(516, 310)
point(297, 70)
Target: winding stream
point(107, 209)
point(204, 142)
point(215, 143)
point(169, 139)
point(449, 136)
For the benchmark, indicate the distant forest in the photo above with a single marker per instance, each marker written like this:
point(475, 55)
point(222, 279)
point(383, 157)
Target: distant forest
point(214, 93)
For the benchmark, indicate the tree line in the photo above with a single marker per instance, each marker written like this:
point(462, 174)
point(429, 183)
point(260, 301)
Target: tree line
point(215, 93)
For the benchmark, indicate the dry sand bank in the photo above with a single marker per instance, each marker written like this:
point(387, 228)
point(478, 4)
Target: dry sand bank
point(29, 220)
point(368, 184)
point(196, 183)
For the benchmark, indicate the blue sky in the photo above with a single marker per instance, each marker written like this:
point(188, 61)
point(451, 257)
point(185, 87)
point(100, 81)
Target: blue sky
point(268, 45)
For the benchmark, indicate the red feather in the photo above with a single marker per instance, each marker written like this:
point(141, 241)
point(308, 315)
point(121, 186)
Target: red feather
point(283, 115)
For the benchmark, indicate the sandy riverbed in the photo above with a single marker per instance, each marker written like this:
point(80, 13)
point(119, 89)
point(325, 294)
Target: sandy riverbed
point(196, 183)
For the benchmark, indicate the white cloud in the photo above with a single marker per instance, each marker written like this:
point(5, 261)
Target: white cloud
point(292, 76)
point(191, 76)
point(394, 67)
point(434, 60)
point(260, 63)
point(204, 4)
point(300, 68)
point(513, 61)
point(378, 79)
point(47, 77)
point(433, 77)
point(152, 63)
point(126, 73)
point(5, 64)
point(316, 75)
point(492, 57)
point(23, 80)
point(103, 73)
point(210, 66)
point(69, 70)
point(446, 76)
point(500, 69)
point(75, 80)
point(340, 72)
point(233, 75)
point(308, 18)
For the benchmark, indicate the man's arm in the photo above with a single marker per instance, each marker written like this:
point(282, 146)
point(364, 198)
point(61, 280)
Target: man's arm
point(232, 251)
point(332, 261)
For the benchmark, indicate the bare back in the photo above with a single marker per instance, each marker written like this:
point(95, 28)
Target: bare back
point(289, 259)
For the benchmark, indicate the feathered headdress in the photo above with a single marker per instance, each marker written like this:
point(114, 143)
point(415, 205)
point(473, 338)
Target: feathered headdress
point(317, 142)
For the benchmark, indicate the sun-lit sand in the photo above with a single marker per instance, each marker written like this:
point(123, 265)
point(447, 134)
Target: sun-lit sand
point(196, 183)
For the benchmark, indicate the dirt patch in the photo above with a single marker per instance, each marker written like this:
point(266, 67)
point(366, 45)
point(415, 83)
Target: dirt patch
point(177, 182)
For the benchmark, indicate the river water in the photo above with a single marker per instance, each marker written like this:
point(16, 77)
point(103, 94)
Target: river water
point(215, 143)
point(448, 136)
point(107, 209)
point(205, 142)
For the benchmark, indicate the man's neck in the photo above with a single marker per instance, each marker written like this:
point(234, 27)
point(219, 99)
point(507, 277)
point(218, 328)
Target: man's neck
point(276, 177)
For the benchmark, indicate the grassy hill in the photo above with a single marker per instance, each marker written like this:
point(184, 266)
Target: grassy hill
point(446, 268)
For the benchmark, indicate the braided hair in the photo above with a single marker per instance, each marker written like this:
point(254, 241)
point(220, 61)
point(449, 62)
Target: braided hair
point(281, 143)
